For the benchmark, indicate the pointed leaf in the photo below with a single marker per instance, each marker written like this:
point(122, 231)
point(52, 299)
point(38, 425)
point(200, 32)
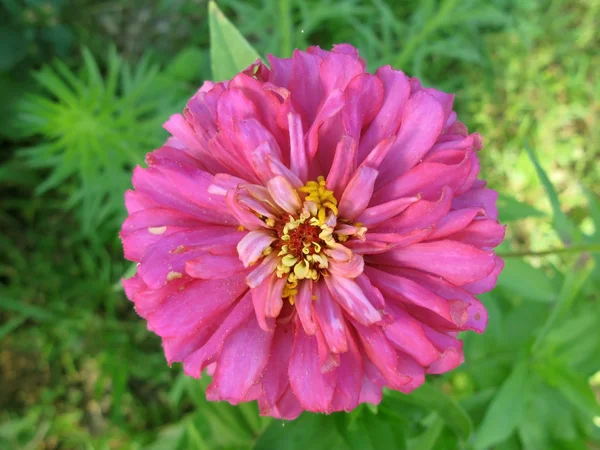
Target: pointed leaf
point(230, 53)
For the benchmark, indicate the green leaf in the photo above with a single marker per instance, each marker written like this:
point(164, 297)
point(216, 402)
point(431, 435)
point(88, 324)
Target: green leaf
point(433, 399)
point(230, 53)
point(506, 410)
point(511, 209)
point(574, 281)
point(573, 386)
point(566, 229)
point(428, 439)
point(309, 431)
point(187, 65)
point(520, 278)
point(363, 430)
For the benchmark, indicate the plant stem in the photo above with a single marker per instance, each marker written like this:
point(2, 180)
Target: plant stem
point(285, 17)
point(554, 251)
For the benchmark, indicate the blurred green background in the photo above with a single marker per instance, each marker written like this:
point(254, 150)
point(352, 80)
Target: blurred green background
point(85, 86)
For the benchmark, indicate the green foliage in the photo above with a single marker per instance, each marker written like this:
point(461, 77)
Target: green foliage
point(228, 49)
point(93, 130)
point(78, 367)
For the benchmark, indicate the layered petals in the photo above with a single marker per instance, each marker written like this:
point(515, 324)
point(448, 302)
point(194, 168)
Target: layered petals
point(312, 233)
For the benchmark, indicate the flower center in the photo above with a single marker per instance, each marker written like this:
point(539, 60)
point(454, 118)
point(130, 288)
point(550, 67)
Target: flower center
point(304, 239)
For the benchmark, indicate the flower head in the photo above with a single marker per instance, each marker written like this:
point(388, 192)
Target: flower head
point(312, 233)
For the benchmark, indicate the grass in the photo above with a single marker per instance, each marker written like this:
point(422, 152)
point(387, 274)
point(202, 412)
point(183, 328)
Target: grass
point(80, 371)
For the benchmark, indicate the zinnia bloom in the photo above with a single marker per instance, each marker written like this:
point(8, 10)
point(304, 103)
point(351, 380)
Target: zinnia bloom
point(312, 233)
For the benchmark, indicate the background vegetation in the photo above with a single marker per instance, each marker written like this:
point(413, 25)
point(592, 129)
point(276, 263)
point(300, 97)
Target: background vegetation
point(84, 87)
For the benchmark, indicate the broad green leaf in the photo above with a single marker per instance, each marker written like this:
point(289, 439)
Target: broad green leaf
point(512, 209)
point(566, 229)
point(364, 430)
point(188, 64)
point(427, 440)
point(309, 431)
point(526, 281)
point(229, 51)
point(169, 438)
point(433, 399)
point(506, 410)
point(574, 281)
point(573, 386)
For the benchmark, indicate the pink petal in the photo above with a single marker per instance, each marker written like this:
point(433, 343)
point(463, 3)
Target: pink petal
point(407, 334)
point(243, 359)
point(209, 266)
point(487, 283)
point(195, 363)
point(363, 99)
point(382, 355)
point(484, 234)
point(201, 300)
point(409, 293)
point(349, 295)
point(304, 307)
point(349, 378)
point(387, 121)
point(347, 269)
point(313, 389)
point(252, 246)
point(481, 198)
point(275, 379)
point(298, 157)
point(265, 269)
point(284, 194)
point(167, 258)
point(342, 168)
point(422, 122)
point(420, 215)
point(458, 263)
point(331, 319)
point(455, 221)
point(358, 193)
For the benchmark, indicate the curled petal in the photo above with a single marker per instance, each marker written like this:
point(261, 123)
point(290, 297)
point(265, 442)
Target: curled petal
point(252, 246)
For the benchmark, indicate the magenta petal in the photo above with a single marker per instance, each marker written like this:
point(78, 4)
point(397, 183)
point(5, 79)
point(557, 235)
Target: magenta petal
point(304, 307)
point(387, 121)
point(479, 197)
point(251, 247)
point(242, 361)
point(357, 195)
point(382, 355)
point(350, 296)
point(201, 299)
point(209, 266)
point(349, 378)
point(458, 263)
point(342, 168)
point(298, 157)
point(284, 194)
point(331, 319)
point(407, 334)
point(313, 389)
point(487, 283)
point(197, 361)
point(264, 270)
point(275, 379)
point(422, 122)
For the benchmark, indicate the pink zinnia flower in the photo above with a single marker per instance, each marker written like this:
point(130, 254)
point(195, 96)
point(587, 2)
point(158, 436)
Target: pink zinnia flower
point(312, 233)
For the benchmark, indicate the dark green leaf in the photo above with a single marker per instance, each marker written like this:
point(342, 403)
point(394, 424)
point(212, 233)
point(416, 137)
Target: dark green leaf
point(574, 281)
point(433, 399)
point(309, 431)
point(566, 229)
point(512, 209)
point(229, 51)
point(506, 410)
point(523, 279)
point(573, 386)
